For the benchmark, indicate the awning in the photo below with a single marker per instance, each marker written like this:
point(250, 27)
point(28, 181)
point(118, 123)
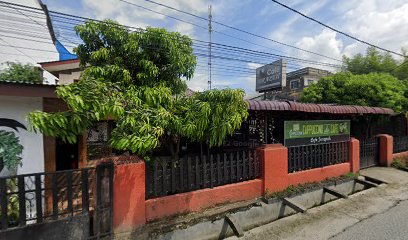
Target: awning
point(260, 105)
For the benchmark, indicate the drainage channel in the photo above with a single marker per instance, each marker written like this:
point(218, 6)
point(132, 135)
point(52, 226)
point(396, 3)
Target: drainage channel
point(269, 210)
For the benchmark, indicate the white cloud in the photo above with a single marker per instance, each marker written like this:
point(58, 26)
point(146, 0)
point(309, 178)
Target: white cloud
point(132, 15)
point(384, 23)
point(198, 82)
point(254, 65)
point(286, 30)
point(325, 43)
point(185, 29)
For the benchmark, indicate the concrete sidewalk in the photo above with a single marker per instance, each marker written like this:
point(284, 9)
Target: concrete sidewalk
point(336, 219)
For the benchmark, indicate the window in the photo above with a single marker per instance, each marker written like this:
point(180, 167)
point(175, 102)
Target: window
point(294, 84)
point(309, 81)
point(98, 140)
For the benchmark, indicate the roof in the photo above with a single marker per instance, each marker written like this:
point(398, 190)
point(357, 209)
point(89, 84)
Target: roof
point(23, 89)
point(308, 71)
point(59, 62)
point(27, 83)
point(56, 67)
point(315, 108)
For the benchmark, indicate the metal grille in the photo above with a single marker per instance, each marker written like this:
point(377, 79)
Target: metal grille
point(39, 197)
point(369, 152)
point(315, 156)
point(167, 176)
point(400, 144)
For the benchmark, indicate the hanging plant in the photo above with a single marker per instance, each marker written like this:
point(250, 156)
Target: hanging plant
point(10, 149)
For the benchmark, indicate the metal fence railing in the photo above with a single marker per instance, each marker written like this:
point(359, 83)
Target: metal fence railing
point(40, 197)
point(400, 144)
point(314, 156)
point(166, 176)
point(35, 198)
point(369, 152)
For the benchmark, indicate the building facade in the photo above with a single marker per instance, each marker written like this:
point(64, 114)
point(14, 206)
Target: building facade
point(296, 82)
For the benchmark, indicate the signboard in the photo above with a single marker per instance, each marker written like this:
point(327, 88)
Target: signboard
point(298, 133)
point(271, 76)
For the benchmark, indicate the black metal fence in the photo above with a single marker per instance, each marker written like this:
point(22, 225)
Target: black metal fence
point(166, 176)
point(315, 156)
point(369, 152)
point(39, 197)
point(400, 144)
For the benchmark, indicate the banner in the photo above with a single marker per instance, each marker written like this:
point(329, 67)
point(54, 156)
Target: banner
point(298, 133)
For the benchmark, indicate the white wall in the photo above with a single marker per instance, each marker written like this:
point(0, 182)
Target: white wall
point(17, 108)
point(68, 78)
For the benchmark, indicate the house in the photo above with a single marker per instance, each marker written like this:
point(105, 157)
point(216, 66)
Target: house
point(17, 100)
point(296, 82)
point(94, 143)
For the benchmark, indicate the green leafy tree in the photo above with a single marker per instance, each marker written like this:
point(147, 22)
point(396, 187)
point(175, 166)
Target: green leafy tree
point(375, 62)
point(10, 149)
point(18, 72)
point(137, 79)
point(373, 89)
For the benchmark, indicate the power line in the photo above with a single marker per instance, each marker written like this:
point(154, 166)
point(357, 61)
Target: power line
point(338, 31)
point(240, 30)
point(76, 18)
point(267, 53)
point(222, 50)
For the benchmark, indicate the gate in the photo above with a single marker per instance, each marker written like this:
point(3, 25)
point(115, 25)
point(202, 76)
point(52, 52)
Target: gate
point(69, 204)
point(103, 215)
point(369, 153)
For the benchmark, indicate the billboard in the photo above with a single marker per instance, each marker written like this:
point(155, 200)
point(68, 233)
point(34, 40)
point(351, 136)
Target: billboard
point(300, 133)
point(271, 76)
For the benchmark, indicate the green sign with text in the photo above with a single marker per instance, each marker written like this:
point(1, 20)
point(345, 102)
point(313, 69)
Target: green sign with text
point(298, 133)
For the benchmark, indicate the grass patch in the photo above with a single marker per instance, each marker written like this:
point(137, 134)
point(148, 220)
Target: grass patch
point(400, 163)
point(301, 188)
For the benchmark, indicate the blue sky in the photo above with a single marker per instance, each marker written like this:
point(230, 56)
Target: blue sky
point(381, 22)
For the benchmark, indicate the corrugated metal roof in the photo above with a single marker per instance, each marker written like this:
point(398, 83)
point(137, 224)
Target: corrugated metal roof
point(268, 105)
point(315, 108)
point(27, 83)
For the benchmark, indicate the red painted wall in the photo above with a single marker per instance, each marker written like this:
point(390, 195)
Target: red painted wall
point(319, 174)
point(274, 158)
point(400, 155)
point(132, 210)
point(354, 155)
point(129, 196)
point(386, 149)
point(194, 201)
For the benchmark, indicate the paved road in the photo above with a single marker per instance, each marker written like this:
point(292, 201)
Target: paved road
point(375, 214)
point(392, 224)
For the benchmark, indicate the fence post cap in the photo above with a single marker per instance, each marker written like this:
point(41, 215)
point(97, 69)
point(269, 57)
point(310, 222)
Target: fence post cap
point(272, 146)
point(384, 135)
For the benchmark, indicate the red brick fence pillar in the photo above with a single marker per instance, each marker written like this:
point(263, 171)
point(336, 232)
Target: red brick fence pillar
point(129, 191)
point(274, 159)
point(386, 149)
point(354, 155)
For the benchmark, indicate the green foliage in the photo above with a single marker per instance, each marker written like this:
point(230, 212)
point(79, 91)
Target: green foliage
point(137, 79)
point(18, 72)
point(10, 149)
point(12, 203)
point(375, 62)
point(374, 89)
point(293, 190)
point(398, 164)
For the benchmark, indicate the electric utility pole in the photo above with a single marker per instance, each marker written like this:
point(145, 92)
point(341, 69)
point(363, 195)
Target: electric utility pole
point(209, 46)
